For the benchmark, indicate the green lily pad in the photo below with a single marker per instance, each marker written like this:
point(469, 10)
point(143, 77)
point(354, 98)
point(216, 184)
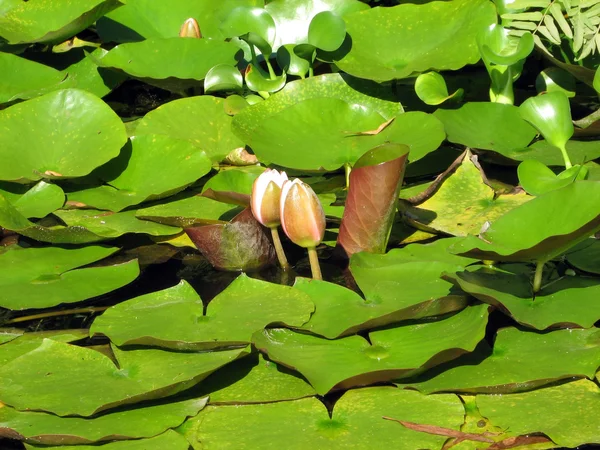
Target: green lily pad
point(38, 202)
point(44, 277)
point(200, 120)
point(136, 20)
point(554, 305)
point(23, 79)
point(109, 225)
point(66, 124)
point(487, 126)
point(254, 379)
point(519, 361)
point(431, 88)
point(388, 280)
point(567, 427)
point(327, 31)
point(185, 212)
point(51, 21)
point(462, 204)
point(434, 36)
point(556, 221)
point(31, 381)
point(353, 361)
point(169, 439)
point(48, 429)
point(246, 306)
point(162, 58)
point(305, 423)
point(586, 256)
point(234, 180)
point(9, 334)
point(537, 178)
point(27, 342)
point(149, 167)
point(579, 151)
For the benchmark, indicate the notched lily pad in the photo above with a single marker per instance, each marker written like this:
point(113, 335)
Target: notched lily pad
point(586, 256)
point(246, 306)
point(35, 202)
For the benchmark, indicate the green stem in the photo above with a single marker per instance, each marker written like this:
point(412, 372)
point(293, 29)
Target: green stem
point(272, 75)
point(314, 263)
point(565, 156)
point(537, 279)
point(253, 53)
point(347, 169)
point(311, 71)
point(64, 312)
point(279, 249)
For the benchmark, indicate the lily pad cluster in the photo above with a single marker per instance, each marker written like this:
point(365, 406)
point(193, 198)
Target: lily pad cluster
point(141, 305)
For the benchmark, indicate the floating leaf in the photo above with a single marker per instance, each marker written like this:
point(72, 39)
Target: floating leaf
point(39, 201)
point(27, 342)
point(44, 277)
point(434, 36)
point(57, 149)
point(585, 256)
point(431, 88)
point(579, 151)
point(246, 306)
point(234, 180)
point(519, 361)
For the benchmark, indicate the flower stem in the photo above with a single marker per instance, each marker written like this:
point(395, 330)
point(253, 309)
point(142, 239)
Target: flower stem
point(537, 279)
point(347, 169)
point(314, 263)
point(279, 249)
point(64, 312)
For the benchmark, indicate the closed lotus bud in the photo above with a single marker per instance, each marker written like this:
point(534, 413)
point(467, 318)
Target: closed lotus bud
point(190, 28)
point(302, 216)
point(266, 193)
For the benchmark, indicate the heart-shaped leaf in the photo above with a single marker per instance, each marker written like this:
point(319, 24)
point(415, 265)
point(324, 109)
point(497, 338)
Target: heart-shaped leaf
point(243, 20)
point(431, 88)
point(327, 31)
point(537, 178)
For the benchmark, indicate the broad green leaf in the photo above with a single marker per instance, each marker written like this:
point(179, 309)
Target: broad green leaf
point(200, 120)
point(140, 422)
point(246, 306)
point(254, 379)
point(537, 178)
point(23, 79)
point(49, 21)
point(27, 342)
point(556, 221)
point(579, 152)
point(136, 20)
point(431, 88)
point(162, 58)
point(567, 427)
point(435, 36)
point(355, 423)
point(327, 31)
point(67, 124)
point(31, 380)
point(388, 354)
point(519, 361)
point(169, 439)
point(586, 256)
point(509, 288)
point(243, 20)
point(108, 225)
point(44, 277)
point(234, 180)
point(555, 79)
point(387, 281)
point(223, 77)
point(149, 167)
point(463, 203)
point(39, 201)
point(9, 334)
point(487, 126)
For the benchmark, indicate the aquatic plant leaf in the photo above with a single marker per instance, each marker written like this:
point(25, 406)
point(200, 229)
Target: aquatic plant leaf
point(37, 201)
point(135, 423)
point(50, 21)
point(149, 167)
point(254, 379)
point(435, 36)
point(555, 79)
point(27, 342)
point(244, 20)
point(431, 88)
point(556, 221)
point(162, 58)
point(509, 288)
point(353, 361)
point(370, 208)
point(234, 180)
point(579, 152)
point(537, 178)
point(141, 375)
point(586, 256)
point(258, 81)
point(223, 77)
point(327, 31)
point(519, 361)
point(58, 148)
point(200, 120)
point(44, 277)
point(567, 427)
point(305, 423)
point(487, 126)
point(245, 306)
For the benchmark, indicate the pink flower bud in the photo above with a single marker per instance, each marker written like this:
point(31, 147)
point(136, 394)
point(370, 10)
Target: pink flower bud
point(302, 216)
point(266, 192)
point(190, 28)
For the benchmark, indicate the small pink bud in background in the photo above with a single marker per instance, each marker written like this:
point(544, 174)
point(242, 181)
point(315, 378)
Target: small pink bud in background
point(266, 193)
point(302, 216)
point(190, 28)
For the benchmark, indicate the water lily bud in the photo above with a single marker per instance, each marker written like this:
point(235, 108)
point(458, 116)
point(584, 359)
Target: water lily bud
point(190, 28)
point(302, 216)
point(266, 193)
